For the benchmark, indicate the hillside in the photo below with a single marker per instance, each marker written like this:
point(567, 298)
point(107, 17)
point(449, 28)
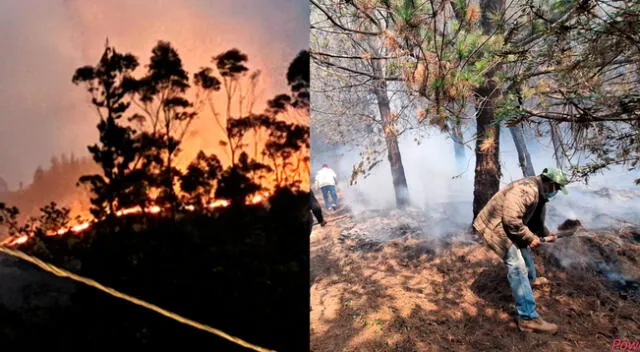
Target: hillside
point(380, 282)
point(241, 270)
point(57, 182)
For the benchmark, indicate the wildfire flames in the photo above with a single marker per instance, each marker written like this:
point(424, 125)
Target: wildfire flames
point(81, 227)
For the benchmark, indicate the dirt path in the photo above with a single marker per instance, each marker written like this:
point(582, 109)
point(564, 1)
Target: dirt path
point(410, 294)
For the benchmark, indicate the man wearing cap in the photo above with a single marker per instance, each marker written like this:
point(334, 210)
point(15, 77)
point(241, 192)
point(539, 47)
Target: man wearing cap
point(326, 180)
point(512, 223)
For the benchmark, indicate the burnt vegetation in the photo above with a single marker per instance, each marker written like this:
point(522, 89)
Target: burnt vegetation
point(559, 70)
point(381, 281)
point(387, 76)
point(242, 268)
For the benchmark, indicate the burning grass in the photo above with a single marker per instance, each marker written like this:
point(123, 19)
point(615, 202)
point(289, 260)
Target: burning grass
point(422, 293)
point(81, 226)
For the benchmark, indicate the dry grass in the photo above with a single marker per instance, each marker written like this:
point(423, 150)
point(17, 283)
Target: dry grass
point(418, 295)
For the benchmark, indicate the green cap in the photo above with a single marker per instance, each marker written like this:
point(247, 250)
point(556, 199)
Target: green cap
point(556, 176)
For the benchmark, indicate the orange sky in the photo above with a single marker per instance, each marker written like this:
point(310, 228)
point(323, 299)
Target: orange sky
point(44, 41)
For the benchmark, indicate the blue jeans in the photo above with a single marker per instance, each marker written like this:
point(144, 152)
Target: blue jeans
point(329, 190)
point(521, 272)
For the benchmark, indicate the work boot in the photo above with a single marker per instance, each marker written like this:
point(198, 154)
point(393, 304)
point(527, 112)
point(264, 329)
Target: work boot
point(323, 223)
point(539, 282)
point(537, 325)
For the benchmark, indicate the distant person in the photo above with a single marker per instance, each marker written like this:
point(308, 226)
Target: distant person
point(326, 180)
point(511, 224)
point(317, 210)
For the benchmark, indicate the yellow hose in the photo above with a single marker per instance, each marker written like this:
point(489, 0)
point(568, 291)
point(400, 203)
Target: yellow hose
point(64, 273)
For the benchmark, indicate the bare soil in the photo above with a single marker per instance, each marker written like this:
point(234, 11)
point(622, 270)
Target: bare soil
point(405, 291)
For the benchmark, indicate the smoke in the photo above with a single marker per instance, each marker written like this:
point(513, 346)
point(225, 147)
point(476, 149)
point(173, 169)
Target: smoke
point(442, 187)
point(441, 203)
point(44, 41)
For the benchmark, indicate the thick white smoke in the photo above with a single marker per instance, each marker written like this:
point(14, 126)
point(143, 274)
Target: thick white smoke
point(443, 187)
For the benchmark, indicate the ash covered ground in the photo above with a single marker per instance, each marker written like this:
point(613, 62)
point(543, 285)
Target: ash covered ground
point(411, 280)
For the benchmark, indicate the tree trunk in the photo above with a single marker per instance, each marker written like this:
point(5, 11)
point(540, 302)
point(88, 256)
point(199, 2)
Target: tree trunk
point(168, 182)
point(524, 158)
point(397, 170)
point(487, 171)
point(393, 150)
point(557, 145)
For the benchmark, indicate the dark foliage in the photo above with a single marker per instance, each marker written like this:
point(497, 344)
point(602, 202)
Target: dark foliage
point(298, 77)
point(119, 148)
point(242, 272)
point(242, 269)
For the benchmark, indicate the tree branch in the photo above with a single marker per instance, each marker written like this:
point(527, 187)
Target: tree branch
point(575, 119)
point(337, 56)
point(350, 70)
point(339, 25)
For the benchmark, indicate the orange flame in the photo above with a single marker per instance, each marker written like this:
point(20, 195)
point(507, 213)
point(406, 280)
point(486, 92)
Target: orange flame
point(154, 209)
point(75, 229)
point(22, 239)
point(258, 198)
point(221, 203)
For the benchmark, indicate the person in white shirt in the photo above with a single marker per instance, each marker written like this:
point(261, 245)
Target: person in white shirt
point(326, 180)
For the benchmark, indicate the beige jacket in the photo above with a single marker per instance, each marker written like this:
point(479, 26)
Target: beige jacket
point(514, 215)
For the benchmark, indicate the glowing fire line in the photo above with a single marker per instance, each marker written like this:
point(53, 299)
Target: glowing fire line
point(79, 228)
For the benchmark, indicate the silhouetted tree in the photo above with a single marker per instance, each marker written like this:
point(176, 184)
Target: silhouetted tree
point(119, 146)
point(232, 70)
point(51, 219)
point(198, 182)
point(167, 113)
point(231, 65)
point(288, 144)
point(38, 175)
point(298, 77)
point(256, 258)
point(237, 183)
point(284, 143)
point(9, 218)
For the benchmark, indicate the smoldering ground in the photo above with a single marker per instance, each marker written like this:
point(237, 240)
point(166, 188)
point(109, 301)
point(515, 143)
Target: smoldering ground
point(386, 279)
point(441, 194)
